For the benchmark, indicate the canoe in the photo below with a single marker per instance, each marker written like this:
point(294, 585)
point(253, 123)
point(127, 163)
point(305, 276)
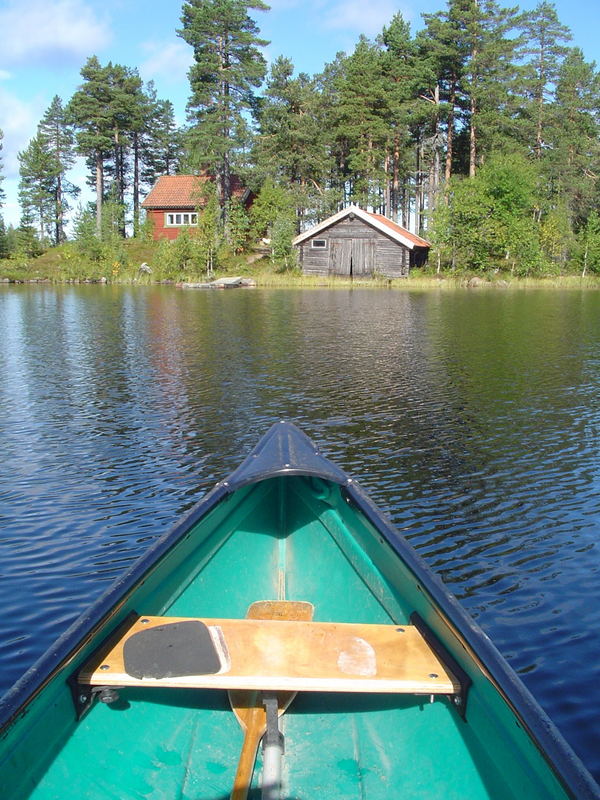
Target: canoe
point(284, 606)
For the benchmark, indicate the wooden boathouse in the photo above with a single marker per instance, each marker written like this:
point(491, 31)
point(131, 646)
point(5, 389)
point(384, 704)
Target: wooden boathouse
point(355, 243)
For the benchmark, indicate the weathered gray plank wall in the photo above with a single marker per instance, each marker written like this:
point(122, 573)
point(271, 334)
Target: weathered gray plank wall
point(371, 252)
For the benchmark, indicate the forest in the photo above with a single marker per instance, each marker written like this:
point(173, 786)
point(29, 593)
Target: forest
point(480, 131)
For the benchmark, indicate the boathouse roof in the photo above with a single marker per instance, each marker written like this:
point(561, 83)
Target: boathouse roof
point(381, 223)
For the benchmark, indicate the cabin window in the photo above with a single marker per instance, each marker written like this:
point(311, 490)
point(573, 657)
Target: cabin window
point(177, 220)
point(319, 244)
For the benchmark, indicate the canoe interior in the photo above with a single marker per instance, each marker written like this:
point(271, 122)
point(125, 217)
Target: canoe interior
point(293, 538)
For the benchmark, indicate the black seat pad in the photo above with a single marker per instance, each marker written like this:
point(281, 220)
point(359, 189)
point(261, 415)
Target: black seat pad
point(170, 651)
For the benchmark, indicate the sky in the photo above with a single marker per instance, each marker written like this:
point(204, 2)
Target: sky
point(44, 44)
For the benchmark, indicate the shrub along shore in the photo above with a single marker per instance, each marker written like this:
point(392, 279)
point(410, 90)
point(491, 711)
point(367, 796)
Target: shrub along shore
point(143, 263)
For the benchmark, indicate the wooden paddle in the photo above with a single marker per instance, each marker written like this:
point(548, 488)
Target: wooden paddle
point(248, 706)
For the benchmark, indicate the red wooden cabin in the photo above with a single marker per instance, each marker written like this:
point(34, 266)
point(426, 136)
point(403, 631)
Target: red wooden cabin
point(173, 202)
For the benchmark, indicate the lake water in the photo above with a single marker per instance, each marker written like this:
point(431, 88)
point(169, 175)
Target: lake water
point(472, 417)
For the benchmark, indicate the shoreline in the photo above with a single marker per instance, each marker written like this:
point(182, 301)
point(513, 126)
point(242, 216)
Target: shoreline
point(288, 281)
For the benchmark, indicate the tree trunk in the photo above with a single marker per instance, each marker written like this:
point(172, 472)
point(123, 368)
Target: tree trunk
point(136, 184)
point(395, 179)
point(450, 132)
point(387, 189)
point(540, 109)
point(99, 192)
point(58, 211)
point(418, 187)
point(472, 140)
point(434, 169)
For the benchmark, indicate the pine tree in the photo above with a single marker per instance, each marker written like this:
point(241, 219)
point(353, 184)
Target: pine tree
point(291, 145)
point(105, 111)
point(160, 141)
point(489, 72)
point(412, 158)
point(443, 54)
point(575, 155)
point(542, 43)
point(361, 117)
point(37, 171)
point(228, 66)
point(58, 140)
point(127, 114)
point(88, 111)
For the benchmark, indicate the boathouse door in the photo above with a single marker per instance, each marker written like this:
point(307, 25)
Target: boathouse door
point(352, 256)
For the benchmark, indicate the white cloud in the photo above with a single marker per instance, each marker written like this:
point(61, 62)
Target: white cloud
point(5, 75)
point(18, 121)
point(282, 5)
point(57, 33)
point(358, 16)
point(168, 61)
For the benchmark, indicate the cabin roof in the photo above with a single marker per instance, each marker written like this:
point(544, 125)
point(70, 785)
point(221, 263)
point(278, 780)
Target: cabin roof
point(381, 223)
point(183, 191)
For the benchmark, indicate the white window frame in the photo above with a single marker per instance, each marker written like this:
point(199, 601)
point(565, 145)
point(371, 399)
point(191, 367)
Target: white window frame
point(313, 244)
point(181, 219)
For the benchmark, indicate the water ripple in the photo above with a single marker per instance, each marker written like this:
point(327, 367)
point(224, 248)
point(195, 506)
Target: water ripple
point(472, 418)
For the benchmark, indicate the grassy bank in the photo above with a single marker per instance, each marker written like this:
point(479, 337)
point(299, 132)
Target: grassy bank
point(66, 264)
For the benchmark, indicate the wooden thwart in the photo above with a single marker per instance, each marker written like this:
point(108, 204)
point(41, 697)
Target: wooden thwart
point(280, 655)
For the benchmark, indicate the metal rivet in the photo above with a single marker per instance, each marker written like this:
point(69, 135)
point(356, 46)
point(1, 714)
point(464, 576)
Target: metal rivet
point(433, 675)
point(105, 667)
point(144, 621)
point(400, 630)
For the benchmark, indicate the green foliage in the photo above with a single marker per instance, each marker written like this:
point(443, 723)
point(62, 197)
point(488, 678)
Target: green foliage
point(292, 145)
point(106, 251)
point(145, 230)
point(238, 226)
point(210, 232)
point(57, 141)
point(490, 219)
point(543, 50)
point(228, 65)
point(575, 156)
point(184, 253)
point(4, 240)
point(125, 133)
point(283, 251)
point(27, 243)
point(38, 169)
point(272, 202)
point(88, 244)
point(182, 258)
point(589, 245)
point(556, 238)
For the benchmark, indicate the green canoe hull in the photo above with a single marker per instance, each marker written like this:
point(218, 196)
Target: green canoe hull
point(304, 534)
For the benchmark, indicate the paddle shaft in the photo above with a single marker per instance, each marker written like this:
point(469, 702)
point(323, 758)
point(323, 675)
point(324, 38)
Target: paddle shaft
point(248, 706)
point(256, 725)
